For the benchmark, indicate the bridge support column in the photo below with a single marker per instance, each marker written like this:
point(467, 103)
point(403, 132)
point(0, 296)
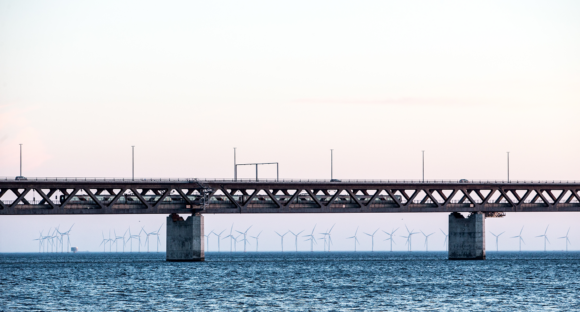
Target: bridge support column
point(185, 238)
point(467, 236)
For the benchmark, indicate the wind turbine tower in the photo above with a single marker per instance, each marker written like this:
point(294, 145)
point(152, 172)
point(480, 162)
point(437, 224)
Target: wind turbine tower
point(567, 240)
point(311, 238)
point(391, 237)
point(257, 237)
point(426, 240)
point(497, 240)
point(372, 239)
point(545, 237)
point(355, 239)
point(445, 241)
point(281, 239)
point(520, 238)
point(295, 239)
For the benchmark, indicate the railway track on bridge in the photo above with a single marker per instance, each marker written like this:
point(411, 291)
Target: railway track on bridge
point(38, 196)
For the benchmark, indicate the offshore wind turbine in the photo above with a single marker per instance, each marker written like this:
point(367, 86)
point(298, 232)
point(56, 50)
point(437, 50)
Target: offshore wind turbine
point(137, 237)
point(355, 239)
point(327, 233)
point(373, 239)
point(257, 237)
point(244, 239)
point(116, 239)
point(545, 237)
point(311, 238)
point(281, 239)
point(426, 240)
point(157, 234)
point(104, 243)
point(236, 242)
point(39, 239)
point(409, 237)
point(496, 240)
point(445, 241)
point(219, 238)
point(296, 238)
point(520, 238)
point(567, 240)
point(231, 237)
point(391, 237)
point(207, 240)
point(67, 233)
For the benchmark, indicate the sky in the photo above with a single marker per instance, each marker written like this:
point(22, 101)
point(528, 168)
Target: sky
point(378, 82)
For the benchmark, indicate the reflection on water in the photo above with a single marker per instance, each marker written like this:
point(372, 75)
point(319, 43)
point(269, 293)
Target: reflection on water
point(290, 281)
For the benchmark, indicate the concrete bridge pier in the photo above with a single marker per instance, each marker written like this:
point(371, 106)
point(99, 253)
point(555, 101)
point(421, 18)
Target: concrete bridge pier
point(467, 236)
point(185, 238)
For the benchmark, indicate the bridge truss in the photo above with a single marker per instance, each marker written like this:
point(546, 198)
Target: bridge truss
point(227, 196)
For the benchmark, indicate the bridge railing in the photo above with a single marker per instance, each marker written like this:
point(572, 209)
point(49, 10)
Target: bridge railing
point(190, 180)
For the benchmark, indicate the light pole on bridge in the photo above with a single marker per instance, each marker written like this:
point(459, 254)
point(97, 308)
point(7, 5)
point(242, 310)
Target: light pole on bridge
point(20, 159)
point(235, 167)
point(331, 173)
point(508, 166)
point(133, 162)
point(423, 165)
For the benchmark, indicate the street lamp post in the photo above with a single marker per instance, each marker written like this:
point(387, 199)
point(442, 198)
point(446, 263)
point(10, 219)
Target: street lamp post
point(331, 164)
point(20, 159)
point(133, 162)
point(235, 167)
point(508, 166)
point(423, 166)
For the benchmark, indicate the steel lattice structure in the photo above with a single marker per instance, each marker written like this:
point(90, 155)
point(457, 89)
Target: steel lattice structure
point(227, 196)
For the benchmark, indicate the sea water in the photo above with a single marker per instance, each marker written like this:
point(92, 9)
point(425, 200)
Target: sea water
point(290, 281)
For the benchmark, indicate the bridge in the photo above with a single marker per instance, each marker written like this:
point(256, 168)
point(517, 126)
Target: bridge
point(195, 197)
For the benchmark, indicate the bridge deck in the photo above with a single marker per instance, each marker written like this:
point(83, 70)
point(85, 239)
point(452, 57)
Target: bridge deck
point(39, 196)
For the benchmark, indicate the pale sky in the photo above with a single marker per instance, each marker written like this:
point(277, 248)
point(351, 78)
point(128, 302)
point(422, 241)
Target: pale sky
point(379, 81)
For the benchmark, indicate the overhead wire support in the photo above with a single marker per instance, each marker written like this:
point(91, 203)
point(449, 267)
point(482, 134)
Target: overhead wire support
point(258, 164)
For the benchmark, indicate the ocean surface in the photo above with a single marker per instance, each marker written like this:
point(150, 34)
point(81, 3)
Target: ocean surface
point(304, 281)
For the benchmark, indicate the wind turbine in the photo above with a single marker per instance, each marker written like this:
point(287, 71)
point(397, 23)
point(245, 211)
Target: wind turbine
point(311, 238)
point(281, 239)
point(520, 238)
point(231, 237)
point(257, 237)
point(116, 239)
point(496, 240)
point(236, 242)
point(147, 237)
point(427, 240)
point(445, 242)
point(57, 239)
point(409, 237)
point(67, 233)
point(158, 239)
point(131, 237)
point(545, 237)
point(110, 241)
point(296, 238)
point(39, 239)
point(219, 238)
point(244, 239)
point(567, 240)
point(373, 239)
point(104, 242)
point(48, 239)
point(391, 237)
point(355, 239)
point(207, 240)
point(329, 237)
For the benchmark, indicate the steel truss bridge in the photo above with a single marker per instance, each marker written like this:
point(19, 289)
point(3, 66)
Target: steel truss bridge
point(40, 196)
